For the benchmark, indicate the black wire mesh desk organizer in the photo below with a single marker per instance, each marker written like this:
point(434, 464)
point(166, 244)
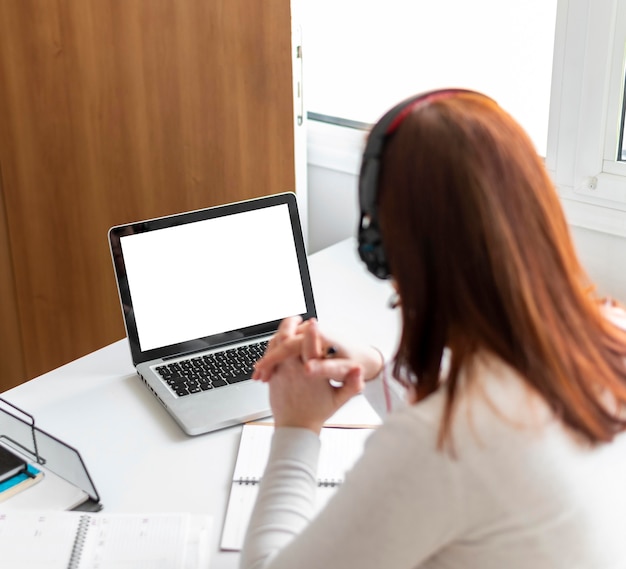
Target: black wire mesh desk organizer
point(19, 434)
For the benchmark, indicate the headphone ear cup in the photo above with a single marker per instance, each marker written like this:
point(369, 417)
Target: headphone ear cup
point(371, 248)
point(368, 184)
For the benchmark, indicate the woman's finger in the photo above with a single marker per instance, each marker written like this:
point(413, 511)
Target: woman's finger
point(332, 368)
point(352, 384)
point(291, 347)
point(312, 342)
point(287, 328)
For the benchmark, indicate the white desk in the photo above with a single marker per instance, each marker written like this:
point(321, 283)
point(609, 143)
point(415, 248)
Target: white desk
point(138, 457)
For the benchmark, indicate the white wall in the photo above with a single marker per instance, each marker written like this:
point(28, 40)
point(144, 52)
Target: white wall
point(333, 214)
point(604, 257)
point(333, 162)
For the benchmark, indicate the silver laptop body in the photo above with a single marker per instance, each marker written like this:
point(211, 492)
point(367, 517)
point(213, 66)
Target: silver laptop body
point(205, 281)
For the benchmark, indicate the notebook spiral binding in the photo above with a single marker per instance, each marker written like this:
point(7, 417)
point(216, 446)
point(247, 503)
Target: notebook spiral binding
point(79, 541)
point(247, 480)
point(329, 482)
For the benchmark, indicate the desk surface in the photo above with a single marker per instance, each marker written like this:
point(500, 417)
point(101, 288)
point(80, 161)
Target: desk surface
point(139, 459)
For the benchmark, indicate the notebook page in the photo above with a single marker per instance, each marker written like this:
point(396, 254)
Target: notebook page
point(152, 541)
point(239, 511)
point(254, 449)
point(341, 448)
point(35, 540)
point(199, 537)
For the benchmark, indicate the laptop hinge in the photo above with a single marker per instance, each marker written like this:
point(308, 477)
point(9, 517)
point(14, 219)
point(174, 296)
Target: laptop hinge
point(217, 346)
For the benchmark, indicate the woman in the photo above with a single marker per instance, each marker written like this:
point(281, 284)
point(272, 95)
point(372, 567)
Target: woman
point(511, 452)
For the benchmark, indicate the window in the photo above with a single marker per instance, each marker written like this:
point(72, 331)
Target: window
point(621, 150)
point(613, 153)
point(586, 113)
point(363, 56)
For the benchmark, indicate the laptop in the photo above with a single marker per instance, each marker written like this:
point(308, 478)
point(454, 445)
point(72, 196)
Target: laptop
point(201, 294)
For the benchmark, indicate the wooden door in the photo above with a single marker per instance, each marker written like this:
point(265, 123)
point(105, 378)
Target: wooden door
point(118, 110)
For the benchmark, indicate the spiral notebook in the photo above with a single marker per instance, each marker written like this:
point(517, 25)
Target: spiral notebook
point(78, 540)
point(340, 449)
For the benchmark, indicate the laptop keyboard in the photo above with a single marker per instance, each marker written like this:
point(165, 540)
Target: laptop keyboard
point(217, 369)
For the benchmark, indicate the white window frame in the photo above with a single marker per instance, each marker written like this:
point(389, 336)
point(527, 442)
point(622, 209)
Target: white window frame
point(585, 112)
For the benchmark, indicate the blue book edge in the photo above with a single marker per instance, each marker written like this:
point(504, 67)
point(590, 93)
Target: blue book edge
point(18, 478)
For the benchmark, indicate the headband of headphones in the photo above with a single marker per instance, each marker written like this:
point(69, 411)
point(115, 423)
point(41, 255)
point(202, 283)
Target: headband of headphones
point(371, 248)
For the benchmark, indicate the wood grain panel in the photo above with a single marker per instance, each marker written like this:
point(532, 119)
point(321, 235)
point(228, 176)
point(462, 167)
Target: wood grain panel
point(118, 110)
point(12, 357)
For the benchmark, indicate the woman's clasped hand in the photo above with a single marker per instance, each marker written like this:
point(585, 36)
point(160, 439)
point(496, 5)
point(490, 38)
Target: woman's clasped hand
point(311, 376)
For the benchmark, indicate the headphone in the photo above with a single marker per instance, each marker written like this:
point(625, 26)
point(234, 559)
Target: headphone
point(371, 249)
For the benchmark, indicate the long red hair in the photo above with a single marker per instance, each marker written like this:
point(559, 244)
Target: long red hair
point(481, 253)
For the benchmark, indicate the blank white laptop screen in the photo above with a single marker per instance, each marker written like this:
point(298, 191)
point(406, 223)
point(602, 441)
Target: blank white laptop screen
point(190, 281)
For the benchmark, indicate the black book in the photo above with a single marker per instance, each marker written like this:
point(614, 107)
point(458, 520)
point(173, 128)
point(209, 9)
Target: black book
point(10, 464)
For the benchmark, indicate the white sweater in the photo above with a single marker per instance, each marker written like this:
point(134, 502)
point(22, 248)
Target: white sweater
point(522, 492)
